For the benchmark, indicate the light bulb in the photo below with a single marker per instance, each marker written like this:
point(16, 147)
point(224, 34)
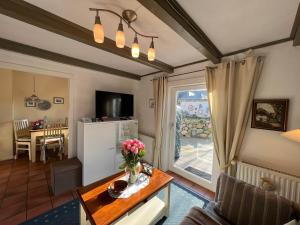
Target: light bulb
point(151, 52)
point(98, 31)
point(120, 36)
point(135, 48)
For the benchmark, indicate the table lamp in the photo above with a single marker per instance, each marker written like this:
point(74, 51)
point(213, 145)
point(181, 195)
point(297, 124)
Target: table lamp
point(293, 135)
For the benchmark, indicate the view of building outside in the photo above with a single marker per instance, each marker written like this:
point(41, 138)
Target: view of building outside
point(193, 142)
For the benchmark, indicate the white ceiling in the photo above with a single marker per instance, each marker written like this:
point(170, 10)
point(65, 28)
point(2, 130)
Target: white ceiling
point(24, 33)
point(168, 45)
point(237, 24)
point(230, 24)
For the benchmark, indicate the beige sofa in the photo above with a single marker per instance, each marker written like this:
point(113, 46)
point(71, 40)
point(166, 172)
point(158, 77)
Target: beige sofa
point(239, 203)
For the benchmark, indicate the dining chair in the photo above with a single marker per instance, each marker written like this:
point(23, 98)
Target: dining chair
point(52, 139)
point(22, 137)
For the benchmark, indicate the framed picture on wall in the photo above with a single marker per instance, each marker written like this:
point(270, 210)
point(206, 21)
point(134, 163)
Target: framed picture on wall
point(58, 100)
point(30, 104)
point(270, 114)
point(151, 103)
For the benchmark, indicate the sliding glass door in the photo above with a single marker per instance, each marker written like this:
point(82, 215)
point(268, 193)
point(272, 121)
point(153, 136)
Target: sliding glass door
point(191, 150)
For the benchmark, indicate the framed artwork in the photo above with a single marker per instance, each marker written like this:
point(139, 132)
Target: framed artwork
point(151, 103)
point(30, 104)
point(58, 100)
point(270, 114)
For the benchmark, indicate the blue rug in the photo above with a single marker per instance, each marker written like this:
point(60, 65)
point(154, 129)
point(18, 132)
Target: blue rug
point(66, 214)
point(182, 200)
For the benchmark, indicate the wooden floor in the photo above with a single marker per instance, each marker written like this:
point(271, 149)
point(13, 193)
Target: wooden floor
point(193, 186)
point(24, 190)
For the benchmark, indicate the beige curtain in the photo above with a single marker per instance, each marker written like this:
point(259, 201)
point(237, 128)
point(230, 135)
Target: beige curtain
point(160, 93)
point(231, 87)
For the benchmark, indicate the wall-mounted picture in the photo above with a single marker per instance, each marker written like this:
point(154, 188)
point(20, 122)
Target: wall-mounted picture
point(58, 100)
point(30, 104)
point(270, 114)
point(151, 103)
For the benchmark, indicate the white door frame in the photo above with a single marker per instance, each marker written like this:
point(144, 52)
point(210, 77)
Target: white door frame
point(24, 64)
point(171, 119)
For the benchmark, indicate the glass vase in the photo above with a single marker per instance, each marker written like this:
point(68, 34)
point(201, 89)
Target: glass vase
point(133, 173)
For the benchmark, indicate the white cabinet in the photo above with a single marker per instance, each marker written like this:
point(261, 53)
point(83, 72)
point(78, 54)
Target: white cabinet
point(98, 147)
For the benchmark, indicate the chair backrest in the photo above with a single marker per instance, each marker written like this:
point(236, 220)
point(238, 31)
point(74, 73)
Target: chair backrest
point(21, 128)
point(52, 129)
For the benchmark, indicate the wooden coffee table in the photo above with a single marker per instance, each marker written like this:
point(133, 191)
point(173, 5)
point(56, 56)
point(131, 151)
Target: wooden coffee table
point(142, 207)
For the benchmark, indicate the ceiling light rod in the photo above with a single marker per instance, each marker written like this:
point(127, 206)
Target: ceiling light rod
point(122, 19)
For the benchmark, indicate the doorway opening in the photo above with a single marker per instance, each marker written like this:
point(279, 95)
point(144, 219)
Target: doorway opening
point(192, 149)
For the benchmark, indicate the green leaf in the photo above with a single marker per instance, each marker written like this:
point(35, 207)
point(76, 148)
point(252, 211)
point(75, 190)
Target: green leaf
point(123, 166)
point(142, 153)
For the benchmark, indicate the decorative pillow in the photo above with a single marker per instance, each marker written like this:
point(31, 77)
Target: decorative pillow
point(245, 204)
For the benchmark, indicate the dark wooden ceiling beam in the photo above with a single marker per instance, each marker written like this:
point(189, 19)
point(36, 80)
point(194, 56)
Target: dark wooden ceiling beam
point(295, 33)
point(267, 44)
point(44, 54)
point(170, 12)
point(36, 16)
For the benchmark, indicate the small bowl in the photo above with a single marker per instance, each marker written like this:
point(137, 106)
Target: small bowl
point(118, 186)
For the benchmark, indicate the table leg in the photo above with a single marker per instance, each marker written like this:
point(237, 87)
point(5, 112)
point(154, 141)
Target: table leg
point(167, 192)
point(83, 217)
point(33, 147)
point(65, 132)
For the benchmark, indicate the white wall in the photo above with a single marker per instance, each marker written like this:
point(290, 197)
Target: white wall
point(47, 87)
point(83, 84)
point(280, 79)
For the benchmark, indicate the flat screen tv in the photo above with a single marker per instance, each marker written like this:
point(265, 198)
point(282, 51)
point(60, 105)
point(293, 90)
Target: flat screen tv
point(113, 105)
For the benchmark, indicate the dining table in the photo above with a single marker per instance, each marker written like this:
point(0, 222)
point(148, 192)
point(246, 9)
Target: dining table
point(35, 133)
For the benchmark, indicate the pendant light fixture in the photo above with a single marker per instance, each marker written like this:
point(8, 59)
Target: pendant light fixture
point(135, 48)
point(120, 36)
point(33, 97)
point(128, 16)
point(151, 52)
point(98, 30)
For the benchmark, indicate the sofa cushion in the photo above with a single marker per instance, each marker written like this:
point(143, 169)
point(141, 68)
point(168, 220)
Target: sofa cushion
point(244, 204)
point(197, 216)
point(210, 211)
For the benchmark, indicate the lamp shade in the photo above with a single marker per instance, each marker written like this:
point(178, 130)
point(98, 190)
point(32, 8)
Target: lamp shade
point(151, 52)
point(293, 135)
point(120, 37)
point(98, 31)
point(135, 48)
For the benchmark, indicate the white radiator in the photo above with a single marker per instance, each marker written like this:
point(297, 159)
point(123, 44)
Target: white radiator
point(149, 146)
point(285, 185)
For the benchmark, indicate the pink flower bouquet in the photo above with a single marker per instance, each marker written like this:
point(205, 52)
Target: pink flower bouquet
point(132, 150)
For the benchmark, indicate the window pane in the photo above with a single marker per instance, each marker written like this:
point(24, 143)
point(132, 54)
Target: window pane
point(193, 141)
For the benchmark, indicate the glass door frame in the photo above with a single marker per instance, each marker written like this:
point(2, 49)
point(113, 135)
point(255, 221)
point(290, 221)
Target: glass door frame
point(171, 117)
